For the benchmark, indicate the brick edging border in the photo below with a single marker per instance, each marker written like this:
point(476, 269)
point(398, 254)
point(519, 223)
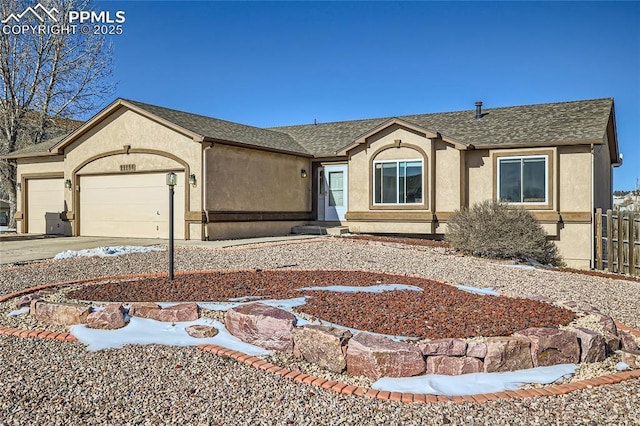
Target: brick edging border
point(339, 387)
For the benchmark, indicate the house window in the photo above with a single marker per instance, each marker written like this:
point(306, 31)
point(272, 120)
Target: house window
point(523, 179)
point(397, 182)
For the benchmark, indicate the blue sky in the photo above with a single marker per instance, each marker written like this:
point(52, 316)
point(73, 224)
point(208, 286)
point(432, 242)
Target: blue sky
point(280, 63)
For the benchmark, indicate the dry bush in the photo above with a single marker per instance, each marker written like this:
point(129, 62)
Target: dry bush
point(493, 229)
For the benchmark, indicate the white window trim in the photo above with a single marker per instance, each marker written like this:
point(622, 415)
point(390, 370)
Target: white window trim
point(397, 192)
point(546, 178)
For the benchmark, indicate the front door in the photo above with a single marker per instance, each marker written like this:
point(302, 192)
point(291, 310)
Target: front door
point(335, 199)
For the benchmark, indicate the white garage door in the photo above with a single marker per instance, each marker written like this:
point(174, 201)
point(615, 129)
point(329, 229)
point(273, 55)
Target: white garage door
point(45, 202)
point(130, 205)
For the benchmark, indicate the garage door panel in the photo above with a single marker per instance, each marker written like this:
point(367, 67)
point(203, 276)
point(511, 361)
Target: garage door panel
point(134, 205)
point(44, 196)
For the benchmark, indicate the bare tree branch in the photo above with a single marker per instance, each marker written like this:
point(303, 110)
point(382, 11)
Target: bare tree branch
point(45, 75)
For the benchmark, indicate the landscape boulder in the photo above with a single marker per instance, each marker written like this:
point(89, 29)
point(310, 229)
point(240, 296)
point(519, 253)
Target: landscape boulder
point(476, 349)
point(59, 313)
point(551, 346)
point(593, 347)
point(25, 301)
point(507, 354)
point(448, 347)
point(606, 322)
point(262, 325)
point(631, 358)
point(453, 366)
point(378, 356)
point(322, 345)
point(140, 309)
point(176, 313)
point(201, 331)
point(627, 341)
point(111, 317)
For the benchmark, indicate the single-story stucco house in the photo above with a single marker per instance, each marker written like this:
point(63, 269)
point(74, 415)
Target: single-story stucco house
point(399, 175)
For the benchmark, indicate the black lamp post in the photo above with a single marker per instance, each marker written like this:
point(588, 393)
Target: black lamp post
point(172, 180)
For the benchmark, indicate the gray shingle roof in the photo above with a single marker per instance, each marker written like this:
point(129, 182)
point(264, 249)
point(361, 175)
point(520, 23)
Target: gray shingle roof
point(226, 130)
point(39, 148)
point(554, 123)
point(529, 125)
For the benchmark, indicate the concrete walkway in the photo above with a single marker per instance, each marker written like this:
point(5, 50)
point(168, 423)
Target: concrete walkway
point(29, 249)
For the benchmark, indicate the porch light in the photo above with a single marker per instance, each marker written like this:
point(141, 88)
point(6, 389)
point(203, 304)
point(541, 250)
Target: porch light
point(172, 179)
point(19, 186)
point(192, 180)
point(67, 183)
point(303, 173)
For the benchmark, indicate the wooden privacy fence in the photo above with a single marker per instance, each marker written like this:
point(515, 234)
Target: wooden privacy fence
point(618, 241)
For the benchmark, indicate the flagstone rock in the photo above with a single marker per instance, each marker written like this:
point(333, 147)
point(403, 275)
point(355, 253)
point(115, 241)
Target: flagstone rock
point(476, 349)
point(631, 358)
point(109, 318)
point(613, 343)
point(449, 347)
point(59, 313)
point(26, 300)
point(551, 346)
point(606, 322)
point(627, 341)
point(593, 346)
point(378, 356)
point(177, 313)
point(322, 345)
point(201, 331)
point(141, 309)
point(453, 366)
point(262, 325)
point(507, 354)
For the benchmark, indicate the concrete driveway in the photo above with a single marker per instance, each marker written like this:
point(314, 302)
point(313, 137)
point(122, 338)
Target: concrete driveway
point(29, 250)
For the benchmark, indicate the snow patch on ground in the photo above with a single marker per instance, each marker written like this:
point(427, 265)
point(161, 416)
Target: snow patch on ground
point(106, 251)
point(142, 331)
point(482, 291)
point(7, 229)
point(21, 311)
point(475, 383)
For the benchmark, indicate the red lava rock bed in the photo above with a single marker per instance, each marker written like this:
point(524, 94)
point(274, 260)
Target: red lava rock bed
point(440, 311)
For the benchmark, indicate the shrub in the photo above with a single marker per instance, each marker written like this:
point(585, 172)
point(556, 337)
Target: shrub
point(493, 229)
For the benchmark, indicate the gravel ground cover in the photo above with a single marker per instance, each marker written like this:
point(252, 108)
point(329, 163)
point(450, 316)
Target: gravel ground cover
point(50, 382)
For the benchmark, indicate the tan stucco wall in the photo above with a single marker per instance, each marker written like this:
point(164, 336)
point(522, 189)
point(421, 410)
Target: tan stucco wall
point(603, 192)
point(248, 180)
point(232, 230)
point(358, 227)
point(35, 167)
point(575, 179)
point(151, 146)
point(574, 244)
point(383, 147)
point(480, 176)
point(448, 185)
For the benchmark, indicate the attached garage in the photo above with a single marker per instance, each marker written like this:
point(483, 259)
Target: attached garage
point(45, 202)
point(130, 205)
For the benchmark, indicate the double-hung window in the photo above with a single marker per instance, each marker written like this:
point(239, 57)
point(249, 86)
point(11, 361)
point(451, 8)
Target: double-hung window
point(398, 182)
point(523, 179)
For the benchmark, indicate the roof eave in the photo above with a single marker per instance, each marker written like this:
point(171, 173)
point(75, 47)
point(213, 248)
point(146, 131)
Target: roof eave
point(29, 155)
point(429, 134)
point(538, 144)
point(257, 147)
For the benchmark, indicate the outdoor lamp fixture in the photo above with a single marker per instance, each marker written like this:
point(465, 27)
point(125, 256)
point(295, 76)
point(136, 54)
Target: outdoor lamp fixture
point(303, 173)
point(192, 180)
point(67, 183)
point(172, 180)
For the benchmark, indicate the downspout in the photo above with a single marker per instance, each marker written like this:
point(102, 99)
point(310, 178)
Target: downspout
point(593, 209)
